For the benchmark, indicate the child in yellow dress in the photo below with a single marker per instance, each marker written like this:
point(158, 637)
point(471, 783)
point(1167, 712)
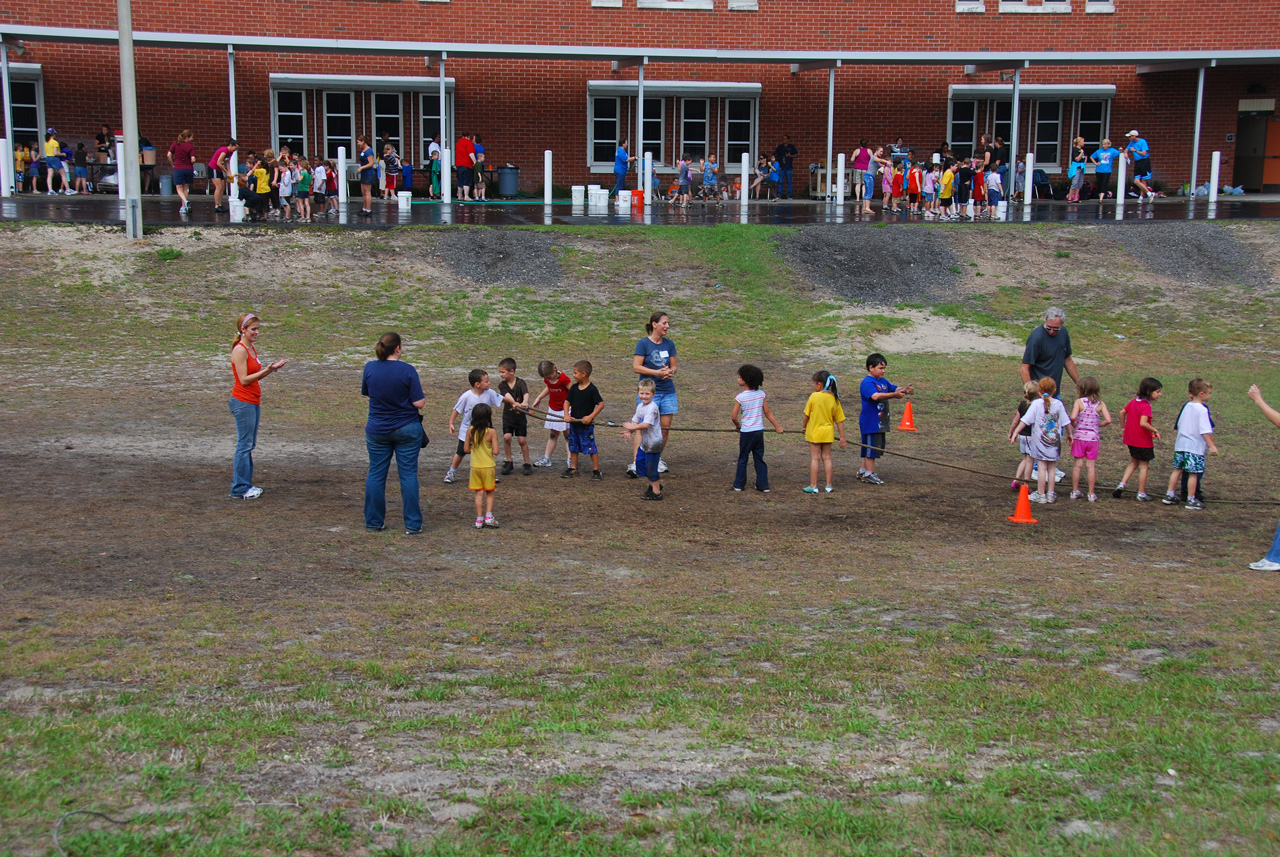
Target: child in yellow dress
point(823, 416)
point(482, 445)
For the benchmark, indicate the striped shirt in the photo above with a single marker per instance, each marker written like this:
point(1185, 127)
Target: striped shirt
point(752, 403)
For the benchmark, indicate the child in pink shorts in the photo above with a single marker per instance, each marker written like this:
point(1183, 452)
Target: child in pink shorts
point(1085, 415)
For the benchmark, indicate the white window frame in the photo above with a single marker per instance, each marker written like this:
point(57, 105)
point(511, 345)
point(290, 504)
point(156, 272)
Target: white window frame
point(375, 136)
point(1104, 125)
point(971, 7)
point(1099, 7)
point(1021, 7)
point(973, 141)
point(728, 161)
point(698, 5)
point(645, 145)
point(349, 142)
point(592, 140)
point(1054, 166)
point(446, 127)
point(706, 125)
point(744, 5)
point(275, 118)
point(607, 4)
point(36, 133)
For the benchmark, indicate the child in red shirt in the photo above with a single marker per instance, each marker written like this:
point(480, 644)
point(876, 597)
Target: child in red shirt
point(913, 189)
point(557, 390)
point(1140, 436)
point(896, 185)
point(979, 188)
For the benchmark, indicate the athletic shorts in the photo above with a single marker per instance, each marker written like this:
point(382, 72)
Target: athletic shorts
point(1087, 449)
point(870, 440)
point(82, 172)
point(483, 478)
point(945, 202)
point(184, 177)
point(1024, 444)
point(515, 424)
point(331, 194)
point(582, 439)
point(1188, 462)
point(647, 464)
point(929, 197)
point(1142, 453)
point(684, 190)
point(54, 164)
point(318, 196)
point(913, 198)
point(994, 197)
point(462, 447)
point(1142, 169)
point(215, 173)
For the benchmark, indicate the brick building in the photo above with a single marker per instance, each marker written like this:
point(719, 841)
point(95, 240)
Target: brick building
point(725, 76)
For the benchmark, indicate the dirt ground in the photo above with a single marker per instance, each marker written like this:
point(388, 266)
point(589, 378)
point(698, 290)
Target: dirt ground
point(116, 524)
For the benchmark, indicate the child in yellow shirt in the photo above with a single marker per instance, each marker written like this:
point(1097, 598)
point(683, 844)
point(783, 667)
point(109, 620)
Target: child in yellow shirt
point(823, 416)
point(482, 445)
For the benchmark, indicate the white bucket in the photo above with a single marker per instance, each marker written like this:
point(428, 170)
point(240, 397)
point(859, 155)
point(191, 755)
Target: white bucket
point(405, 199)
point(237, 210)
point(579, 193)
point(593, 187)
point(624, 200)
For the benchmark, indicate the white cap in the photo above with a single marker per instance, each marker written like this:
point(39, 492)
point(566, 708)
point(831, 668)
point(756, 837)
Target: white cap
point(1132, 134)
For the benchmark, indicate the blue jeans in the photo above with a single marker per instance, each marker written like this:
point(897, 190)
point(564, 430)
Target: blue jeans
point(1273, 555)
point(619, 182)
point(405, 443)
point(246, 416)
point(784, 178)
point(751, 443)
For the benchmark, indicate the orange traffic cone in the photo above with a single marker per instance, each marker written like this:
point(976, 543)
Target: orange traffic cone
point(907, 423)
point(1022, 512)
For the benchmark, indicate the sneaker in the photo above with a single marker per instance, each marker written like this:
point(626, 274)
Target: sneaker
point(1015, 484)
point(648, 492)
point(413, 532)
point(1194, 505)
point(653, 496)
point(448, 477)
point(1037, 497)
point(1076, 495)
point(1265, 565)
point(662, 466)
point(49, 193)
point(528, 469)
point(809, 489)
point(479, 523)
point(253, 493)
point(569, 473)
point(1051, 497)
point(736, 488)
point(507, 467)
point(631, 470)
point(70, 192)
point(762, 490)
point(1144, 498)
point(1118, 492)
point(369, 529)
point(490, 522)
point(828, 489)
point(1093, 498)
point(542, 462)
point(1058, 475)
point(862, 471)
point(182, 209)
point(871, 479)
point(1170, 499)
point(596, 477)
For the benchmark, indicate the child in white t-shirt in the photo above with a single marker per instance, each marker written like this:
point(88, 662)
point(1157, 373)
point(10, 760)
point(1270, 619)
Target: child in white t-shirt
point(1195, 437)
point(750, 410)
point(644, 429)
point(1050, 425)
point(479, 394)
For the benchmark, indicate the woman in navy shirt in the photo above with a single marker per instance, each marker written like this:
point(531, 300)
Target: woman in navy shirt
point(621, 163)
point(394, 428)
point(655, 358)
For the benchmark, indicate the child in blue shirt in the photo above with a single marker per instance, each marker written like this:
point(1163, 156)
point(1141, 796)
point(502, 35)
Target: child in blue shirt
point(710, 177)
point(873, 422)
point(1104, 161)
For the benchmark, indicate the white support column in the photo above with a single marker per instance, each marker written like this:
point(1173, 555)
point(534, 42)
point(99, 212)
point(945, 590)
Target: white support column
point(1195, 140)
point(341, 167)
point(6, 168)
point(127, 171)
point(233, 174)
point(831, 125)
point(231, 87)
point(444, 133)
point(546, 177)
point(638, 143)
point(1028, 186)
point(746, 181)
point(646, 175)
point(840, 182)
point(1213, 177)
point(120, 188)
point(1121, 185)
point(1014, 120)
point(6, 165)
point(446, 175)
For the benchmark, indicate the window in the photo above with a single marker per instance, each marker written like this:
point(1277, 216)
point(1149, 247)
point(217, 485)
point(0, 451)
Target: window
point(654, 129)
point(604, 130)
point(739, 128)
point(431, 119)
point(387, 120)
point(339, 124)
point(964, 128)
point(1092, 123)
point(1048, 132)
point(25, 101)
point(1002, 122)
point(693, 127)
point(291, 121)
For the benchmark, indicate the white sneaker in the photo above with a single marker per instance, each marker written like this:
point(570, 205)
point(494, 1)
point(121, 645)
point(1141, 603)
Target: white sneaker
point(1265, 565)
point(1057, 475)
point(662, 466)
point(50, 193)
point(542, 462)
point(253, 493)
point(448, 477)
point(69, 192)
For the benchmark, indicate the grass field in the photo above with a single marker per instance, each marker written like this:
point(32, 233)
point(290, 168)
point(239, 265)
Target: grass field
point(891, 670)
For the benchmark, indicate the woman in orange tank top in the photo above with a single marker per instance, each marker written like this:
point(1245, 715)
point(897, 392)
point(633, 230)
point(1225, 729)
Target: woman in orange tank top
point(246, 397)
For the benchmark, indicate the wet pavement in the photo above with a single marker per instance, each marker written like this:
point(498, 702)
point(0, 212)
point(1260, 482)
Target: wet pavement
point(163, 210)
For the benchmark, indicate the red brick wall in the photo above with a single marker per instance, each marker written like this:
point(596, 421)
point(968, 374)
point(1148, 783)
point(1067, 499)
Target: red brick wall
point(522, 107)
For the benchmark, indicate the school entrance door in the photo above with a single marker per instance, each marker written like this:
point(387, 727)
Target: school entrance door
point(1257, 167)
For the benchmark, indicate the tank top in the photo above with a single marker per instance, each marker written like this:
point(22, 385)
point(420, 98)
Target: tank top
point(248, 393)
point(481, 453)
point(1087, 421)
point(861, 159)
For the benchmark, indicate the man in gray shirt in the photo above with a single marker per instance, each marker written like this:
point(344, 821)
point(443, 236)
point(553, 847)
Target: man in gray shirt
point(1048, 351)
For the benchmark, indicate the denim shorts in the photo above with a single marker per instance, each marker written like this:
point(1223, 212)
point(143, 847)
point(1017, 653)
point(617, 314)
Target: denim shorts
point(666, 402)
point(82, 172)
point(184, 177)
point(1188, 462)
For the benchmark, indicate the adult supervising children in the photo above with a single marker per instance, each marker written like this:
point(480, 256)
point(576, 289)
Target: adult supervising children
point(368, 174)
point(621, 164)
point(394, 428)
point(182, 156)
point(219, 169)
point(1048, 352)
point(655, 357)
point(1270, 562)
point(1139, 153)
point(246, 403)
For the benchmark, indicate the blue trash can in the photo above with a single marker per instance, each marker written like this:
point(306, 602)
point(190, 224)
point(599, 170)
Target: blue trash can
point(406, 176)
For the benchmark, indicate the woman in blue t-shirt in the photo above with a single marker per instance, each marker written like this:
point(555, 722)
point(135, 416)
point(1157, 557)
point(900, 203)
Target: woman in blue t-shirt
point(655, 358)
point(621, 164)
point(394, 428)
point(1103, 164)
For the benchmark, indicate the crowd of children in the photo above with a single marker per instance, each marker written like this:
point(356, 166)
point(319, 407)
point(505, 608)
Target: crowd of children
point(1042, 424)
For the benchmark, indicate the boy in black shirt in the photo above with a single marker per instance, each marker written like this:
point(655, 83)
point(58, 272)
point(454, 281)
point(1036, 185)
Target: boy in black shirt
point(964, 183)
point(585, 403)
point(515, 400)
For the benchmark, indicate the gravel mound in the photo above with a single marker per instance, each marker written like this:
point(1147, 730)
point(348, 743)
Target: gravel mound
point(1193, 252)
point(500, 256)
point(874, 265)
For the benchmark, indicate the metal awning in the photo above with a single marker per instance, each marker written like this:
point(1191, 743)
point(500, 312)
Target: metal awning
point(1032, 91)
point(357, 81)
point(659, 88)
